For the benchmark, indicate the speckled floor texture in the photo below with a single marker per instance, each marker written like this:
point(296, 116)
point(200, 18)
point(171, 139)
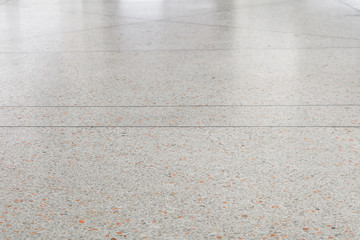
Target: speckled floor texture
point(179, 119)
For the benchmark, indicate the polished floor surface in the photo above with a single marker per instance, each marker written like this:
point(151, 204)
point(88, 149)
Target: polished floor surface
point(180, 119)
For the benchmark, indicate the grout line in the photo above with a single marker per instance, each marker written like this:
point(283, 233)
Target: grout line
point(6, 1)
point(348, 5)
point(106, 15)
point(260, 30)
point(178, 50)
point(191, 106)
point(84, 30)
point(189, 126)
point(229, 10)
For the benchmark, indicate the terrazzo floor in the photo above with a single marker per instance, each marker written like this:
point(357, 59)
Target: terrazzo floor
point(180, 119)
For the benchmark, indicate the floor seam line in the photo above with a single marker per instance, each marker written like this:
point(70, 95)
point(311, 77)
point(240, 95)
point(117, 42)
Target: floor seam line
point(180, 50)
point(179, 126)
point(188, 106)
